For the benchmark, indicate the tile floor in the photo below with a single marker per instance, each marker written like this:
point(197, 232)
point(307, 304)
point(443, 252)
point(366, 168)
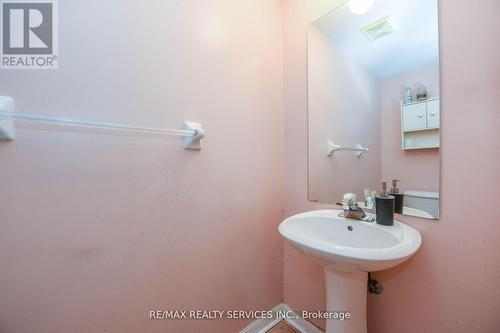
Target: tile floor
point(282, 327)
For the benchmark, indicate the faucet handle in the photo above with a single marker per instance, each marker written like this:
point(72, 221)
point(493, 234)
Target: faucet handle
point(348, 199)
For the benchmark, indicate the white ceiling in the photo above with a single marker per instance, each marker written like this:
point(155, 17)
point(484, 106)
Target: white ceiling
point(415, 45)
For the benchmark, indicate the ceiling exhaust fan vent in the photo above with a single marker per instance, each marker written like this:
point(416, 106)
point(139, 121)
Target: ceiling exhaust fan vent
point(379, 28)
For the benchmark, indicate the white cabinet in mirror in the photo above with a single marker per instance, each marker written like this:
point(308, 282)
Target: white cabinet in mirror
point(360, 70)
point(420, 124)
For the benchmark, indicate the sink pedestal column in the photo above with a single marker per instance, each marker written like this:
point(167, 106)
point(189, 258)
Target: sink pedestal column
point(346, 291)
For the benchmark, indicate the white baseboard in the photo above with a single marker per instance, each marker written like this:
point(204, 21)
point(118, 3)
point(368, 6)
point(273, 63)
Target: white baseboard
point(263, 325)
point(292, 319)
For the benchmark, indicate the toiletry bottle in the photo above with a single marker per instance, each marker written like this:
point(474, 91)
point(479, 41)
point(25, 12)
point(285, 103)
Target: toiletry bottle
point(421, 93)
point(398, 197)
point(369, 198)
point(408, 95)
point(384, 207)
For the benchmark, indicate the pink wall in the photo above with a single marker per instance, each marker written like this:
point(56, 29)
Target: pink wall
point(96, 229)
point(342, 96)
point(419, 169)
point(452, 284)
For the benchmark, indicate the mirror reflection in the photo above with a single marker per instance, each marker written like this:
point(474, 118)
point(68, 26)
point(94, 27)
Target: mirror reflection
point(374, 105)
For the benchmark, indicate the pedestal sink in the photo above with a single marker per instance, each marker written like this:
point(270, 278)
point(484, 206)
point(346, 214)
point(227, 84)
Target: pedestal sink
point(349, 249)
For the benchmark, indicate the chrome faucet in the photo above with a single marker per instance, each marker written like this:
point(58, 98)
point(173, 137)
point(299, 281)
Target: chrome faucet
point(351, 210)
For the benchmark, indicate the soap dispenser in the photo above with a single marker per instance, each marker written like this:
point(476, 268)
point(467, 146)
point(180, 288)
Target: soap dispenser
point(384, 207)
point(398, 197)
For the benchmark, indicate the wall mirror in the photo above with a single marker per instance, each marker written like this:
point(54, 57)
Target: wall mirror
point(373, 103)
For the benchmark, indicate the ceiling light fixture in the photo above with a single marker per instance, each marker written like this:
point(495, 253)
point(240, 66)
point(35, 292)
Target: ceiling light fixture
point(360, 7)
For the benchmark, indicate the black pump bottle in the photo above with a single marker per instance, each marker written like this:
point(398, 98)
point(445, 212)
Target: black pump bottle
point(398, 197)
point(384, 207)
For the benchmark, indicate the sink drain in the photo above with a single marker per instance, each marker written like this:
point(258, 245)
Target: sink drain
point(350, 228)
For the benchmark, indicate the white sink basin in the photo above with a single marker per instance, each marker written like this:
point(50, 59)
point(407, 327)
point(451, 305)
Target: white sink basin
point(348, 249)
point(326, 237)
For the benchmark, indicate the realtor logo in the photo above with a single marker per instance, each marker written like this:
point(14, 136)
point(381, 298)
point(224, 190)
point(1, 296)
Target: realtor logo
point(29, 34)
